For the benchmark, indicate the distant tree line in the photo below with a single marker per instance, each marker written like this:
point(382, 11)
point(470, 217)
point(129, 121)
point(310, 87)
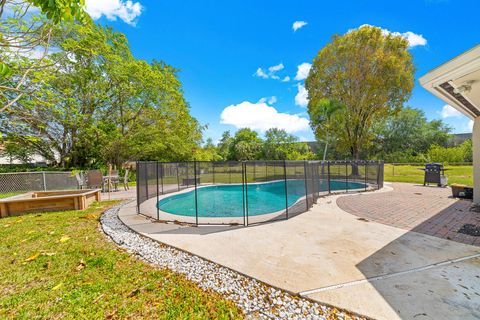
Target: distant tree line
point(246, 144)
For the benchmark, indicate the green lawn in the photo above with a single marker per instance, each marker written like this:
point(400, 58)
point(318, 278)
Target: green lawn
point(59, 265)
point(8, 194)
point(409, 173)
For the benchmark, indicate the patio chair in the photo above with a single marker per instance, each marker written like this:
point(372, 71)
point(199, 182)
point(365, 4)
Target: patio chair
point(81, 180)
point(95, 179)
point(111, 181)
point(125, 180)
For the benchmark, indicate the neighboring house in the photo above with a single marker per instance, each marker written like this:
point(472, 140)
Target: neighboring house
point(459, 138)
point(35, 159)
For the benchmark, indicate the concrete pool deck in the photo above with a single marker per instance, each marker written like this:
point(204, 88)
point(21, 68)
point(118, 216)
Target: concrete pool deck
point(334, 257)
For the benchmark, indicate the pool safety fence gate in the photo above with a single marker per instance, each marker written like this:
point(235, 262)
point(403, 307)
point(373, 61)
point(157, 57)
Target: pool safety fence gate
point(248, 192)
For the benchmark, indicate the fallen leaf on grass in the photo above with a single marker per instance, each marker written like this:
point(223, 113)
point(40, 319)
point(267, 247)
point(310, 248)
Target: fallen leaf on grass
point(133, 293)
point(64, 239)
point(111, 315)
point(90, 216)
point(98, 298)
point(81, 265)
point(31, 258)
point(58, 286)
point(6, 225)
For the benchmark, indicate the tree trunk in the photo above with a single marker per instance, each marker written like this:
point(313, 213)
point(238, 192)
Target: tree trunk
point(355, 158)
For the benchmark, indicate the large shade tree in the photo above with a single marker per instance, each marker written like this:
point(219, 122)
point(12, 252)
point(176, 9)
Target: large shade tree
point(368, 71)
point(93, 103)
point(25, 40)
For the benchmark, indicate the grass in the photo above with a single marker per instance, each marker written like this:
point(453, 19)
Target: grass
point(8, 194)
point(412, 174)
point(59, 265)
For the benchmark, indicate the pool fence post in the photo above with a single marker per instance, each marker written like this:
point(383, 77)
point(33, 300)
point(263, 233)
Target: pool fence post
point(146, 178)
point(213, 172)
point(161, 175)
point(195, 179)
point(305, 182)
point(328, 177)
point(346, 175)
point(178, 181)
point(266, 170)
point(158, 210)
point(243, 194)
point(366, 172)
point(137, 173)
point(246, 190)
point(286, 188)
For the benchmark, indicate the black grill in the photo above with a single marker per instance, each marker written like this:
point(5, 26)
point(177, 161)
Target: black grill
point(433, 173)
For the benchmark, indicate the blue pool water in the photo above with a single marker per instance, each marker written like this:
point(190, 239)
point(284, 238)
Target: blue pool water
point(228, 200)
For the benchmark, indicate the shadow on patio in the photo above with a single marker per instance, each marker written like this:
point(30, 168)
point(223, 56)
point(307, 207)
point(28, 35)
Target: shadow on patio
point(412, 285)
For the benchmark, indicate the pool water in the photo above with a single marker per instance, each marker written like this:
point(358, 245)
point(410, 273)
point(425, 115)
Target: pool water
point(228, 200)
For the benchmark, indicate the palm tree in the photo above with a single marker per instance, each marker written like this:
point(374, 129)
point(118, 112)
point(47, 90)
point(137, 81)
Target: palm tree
point(321, 114)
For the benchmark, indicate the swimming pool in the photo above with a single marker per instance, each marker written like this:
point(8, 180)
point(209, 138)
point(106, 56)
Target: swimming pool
point(218, 201)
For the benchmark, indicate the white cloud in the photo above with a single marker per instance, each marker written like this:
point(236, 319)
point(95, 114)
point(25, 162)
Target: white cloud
point(301, 99)
point(269, 100)
point(272, 72)
point(286, 79)
point(261, 74)
point(302, 71)
point(127, 11)
point(261, 117)
point(450, 112)
point(298, 24)
point(412, 38)
point(276, 68)
point(272, 100)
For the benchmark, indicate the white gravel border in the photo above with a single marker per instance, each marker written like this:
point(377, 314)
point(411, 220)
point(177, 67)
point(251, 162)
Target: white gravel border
point(256, 299)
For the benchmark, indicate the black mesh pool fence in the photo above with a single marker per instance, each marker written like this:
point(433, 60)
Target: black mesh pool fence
point(248, 192)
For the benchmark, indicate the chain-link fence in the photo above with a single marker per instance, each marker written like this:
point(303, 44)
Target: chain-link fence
point(244, 193)
point(36, 181)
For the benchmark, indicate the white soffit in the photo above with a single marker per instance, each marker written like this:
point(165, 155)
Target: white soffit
point(457, 82)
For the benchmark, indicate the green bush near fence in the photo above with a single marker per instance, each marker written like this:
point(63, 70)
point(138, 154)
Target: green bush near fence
point(462, 174)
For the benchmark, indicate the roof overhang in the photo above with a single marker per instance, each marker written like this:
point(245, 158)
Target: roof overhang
point(457, 82)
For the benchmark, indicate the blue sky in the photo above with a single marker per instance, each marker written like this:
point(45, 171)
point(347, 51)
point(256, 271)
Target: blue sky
point(219, 46)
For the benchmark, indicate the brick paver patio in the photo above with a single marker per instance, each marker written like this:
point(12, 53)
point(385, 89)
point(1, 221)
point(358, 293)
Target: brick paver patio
point(428, 210)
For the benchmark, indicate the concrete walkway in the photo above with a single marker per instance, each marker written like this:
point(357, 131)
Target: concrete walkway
point(121, 194)
point(334, 257)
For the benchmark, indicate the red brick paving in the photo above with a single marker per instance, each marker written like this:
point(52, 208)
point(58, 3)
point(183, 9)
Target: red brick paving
point(428, 210)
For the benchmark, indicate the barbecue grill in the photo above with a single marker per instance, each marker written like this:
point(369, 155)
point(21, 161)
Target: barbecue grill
point(434, 173)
